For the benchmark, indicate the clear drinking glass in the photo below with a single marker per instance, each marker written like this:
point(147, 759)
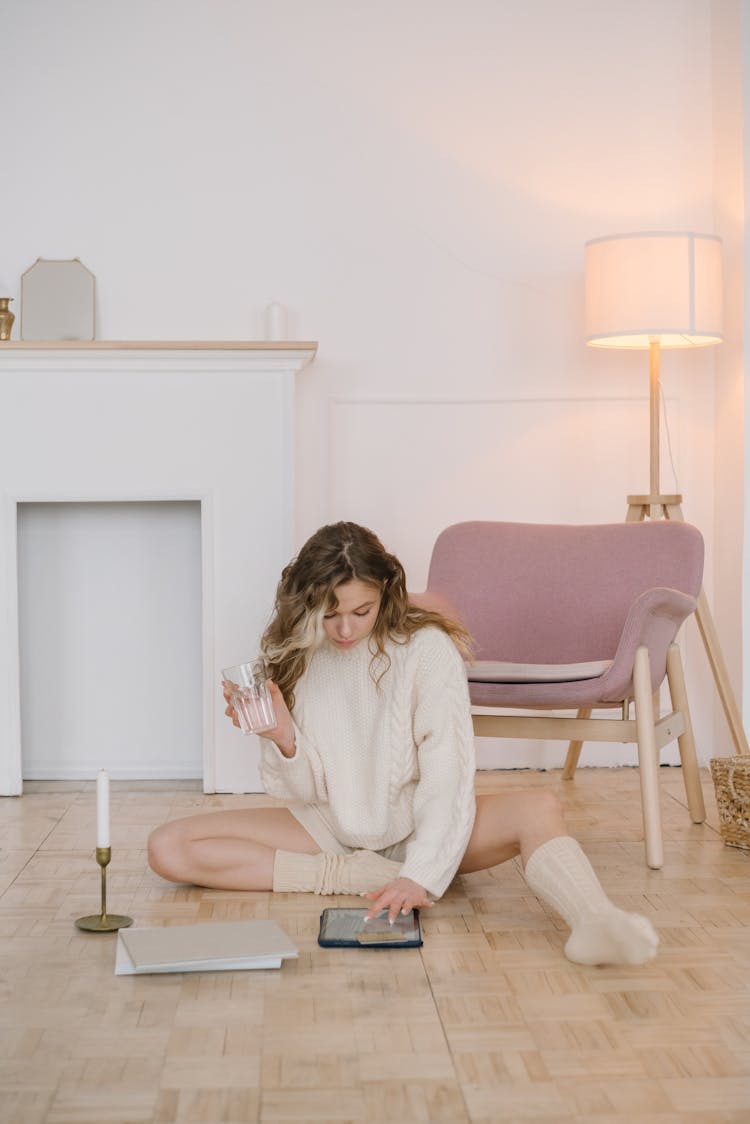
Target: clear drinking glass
point(250, 697)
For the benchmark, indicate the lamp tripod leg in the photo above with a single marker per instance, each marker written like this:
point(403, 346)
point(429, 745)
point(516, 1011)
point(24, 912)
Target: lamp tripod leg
point(720, 673)
point(638, 512)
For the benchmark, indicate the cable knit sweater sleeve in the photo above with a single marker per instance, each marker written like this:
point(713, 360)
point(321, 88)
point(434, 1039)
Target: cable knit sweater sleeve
point(444, 802)
point(301, 777)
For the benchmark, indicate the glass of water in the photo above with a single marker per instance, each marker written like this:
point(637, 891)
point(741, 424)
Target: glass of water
point(250, 697)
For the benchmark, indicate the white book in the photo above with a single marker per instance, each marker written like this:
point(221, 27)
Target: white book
point(221, 946)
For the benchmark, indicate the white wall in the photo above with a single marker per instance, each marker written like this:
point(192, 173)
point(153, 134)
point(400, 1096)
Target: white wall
point(744, 42)
point(415, 181)
point(729, 223)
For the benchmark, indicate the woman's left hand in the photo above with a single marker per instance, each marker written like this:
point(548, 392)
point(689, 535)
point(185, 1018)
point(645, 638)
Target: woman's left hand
point(400, 896)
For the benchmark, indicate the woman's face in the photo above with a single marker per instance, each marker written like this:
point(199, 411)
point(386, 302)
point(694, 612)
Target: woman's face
point(355, 614)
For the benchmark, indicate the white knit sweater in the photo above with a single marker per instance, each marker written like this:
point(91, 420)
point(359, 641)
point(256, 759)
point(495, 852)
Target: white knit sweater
point(386, 763)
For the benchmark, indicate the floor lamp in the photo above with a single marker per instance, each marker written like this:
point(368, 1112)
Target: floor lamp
point(650, 291)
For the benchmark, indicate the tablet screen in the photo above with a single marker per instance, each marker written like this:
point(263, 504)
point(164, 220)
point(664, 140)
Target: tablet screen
point(351, 925)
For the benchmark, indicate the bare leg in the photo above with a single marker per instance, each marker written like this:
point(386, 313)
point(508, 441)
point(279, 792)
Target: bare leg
point(260, 849)
point(510, 824)
point(232, 850)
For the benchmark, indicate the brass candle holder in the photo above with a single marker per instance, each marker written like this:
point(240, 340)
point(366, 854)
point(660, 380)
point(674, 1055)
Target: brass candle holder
point(106, 922)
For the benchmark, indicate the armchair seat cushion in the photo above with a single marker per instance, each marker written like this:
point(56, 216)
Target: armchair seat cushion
point(567, 695)
point(498, 671)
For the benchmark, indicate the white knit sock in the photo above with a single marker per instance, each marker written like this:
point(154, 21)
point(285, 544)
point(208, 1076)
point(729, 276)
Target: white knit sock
point(325, 873)
point(561, 875)
point(293, 870)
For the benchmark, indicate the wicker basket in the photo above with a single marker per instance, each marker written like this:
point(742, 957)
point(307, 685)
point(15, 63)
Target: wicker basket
point(731, 777)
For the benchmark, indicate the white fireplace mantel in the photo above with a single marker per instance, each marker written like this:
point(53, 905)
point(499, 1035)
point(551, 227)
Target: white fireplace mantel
point(132, 420)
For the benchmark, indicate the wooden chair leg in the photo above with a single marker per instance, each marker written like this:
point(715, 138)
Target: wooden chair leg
point(648, 759)
point(574, 750)
point(686, 742)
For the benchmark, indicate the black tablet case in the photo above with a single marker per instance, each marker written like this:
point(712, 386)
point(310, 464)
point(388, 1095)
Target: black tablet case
point(375, 934)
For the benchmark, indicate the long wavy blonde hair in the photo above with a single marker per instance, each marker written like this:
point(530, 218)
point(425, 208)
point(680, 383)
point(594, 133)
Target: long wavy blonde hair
point(337, 553)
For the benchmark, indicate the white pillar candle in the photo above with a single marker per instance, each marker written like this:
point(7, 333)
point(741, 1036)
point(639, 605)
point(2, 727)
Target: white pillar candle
point(102, 808)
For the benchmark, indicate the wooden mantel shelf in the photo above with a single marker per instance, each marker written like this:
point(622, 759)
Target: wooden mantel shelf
point(159, 345)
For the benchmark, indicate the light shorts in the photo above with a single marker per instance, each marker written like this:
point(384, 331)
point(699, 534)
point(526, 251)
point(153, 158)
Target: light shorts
point(316, 826)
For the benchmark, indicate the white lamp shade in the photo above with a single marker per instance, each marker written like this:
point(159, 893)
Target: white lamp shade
point(645, 287)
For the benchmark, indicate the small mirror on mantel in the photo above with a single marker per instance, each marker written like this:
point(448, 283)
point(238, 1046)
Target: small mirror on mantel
point(57, 301)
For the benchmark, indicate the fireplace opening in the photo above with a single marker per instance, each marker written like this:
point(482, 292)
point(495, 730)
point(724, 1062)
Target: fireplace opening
point(110, 607)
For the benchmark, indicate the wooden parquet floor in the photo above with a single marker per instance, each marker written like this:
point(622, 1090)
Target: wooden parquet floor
point(488, 1022)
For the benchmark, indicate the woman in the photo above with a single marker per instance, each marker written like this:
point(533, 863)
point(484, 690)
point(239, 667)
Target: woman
point(373, 749)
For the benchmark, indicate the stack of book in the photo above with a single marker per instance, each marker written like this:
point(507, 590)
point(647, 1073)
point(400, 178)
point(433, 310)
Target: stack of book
point(226, 946)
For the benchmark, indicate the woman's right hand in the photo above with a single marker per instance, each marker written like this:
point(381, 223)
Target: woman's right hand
point(282, 734)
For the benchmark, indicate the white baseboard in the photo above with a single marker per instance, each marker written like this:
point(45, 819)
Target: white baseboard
point(54, 772)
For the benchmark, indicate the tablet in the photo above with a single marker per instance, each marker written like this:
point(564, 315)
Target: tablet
point(348, 928)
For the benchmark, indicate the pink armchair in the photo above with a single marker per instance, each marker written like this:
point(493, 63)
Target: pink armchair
point(578, 618)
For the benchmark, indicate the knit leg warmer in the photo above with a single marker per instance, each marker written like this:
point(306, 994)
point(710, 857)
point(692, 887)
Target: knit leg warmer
point(325, 873)
point(560, 874)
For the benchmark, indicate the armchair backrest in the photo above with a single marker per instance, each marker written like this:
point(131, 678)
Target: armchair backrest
point(552, 593)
